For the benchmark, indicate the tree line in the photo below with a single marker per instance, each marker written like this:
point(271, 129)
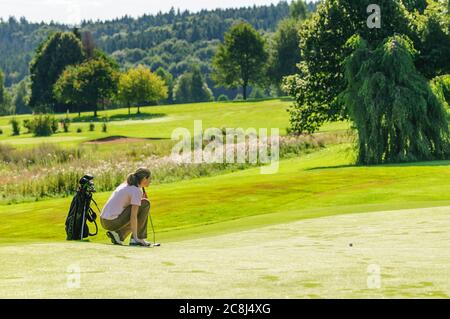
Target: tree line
point(67, 62)
point(138, 40)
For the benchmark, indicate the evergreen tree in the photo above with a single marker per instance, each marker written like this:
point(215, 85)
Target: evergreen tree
point(396, 114)
point(61, 49)
point(191, 87)
point(199, 91)
point(298, 10)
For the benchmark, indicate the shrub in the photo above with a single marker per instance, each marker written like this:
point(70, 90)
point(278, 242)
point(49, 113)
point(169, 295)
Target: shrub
point(104, 125)
point(257, 93)
point(43, 125)
point(65, 124)
point(15, 126)
point(91, 127)
point(239, 97)
point(54, 124)
point(223, 98)
point(28, 125)
point(79, 130)
point(1, 131)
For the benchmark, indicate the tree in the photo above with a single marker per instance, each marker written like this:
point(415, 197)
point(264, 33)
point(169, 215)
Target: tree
point(434, 45)
point(68, 90)
point(22, 97)
point(88, 44)
point(285, 52)
point(5, 99)
point(241, 59)
point(2, 89)
point(182, 89)
point(413, 5)
point(298, 10)
point(320, 78)
point(199, 90)
point(168, 79)
point(125, 90)
point(139, 86)
point(87, 85)
point(60, 50)
point(396, 114)
point(191, 87)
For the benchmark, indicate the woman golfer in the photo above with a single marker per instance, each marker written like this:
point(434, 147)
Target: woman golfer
point(127, 210)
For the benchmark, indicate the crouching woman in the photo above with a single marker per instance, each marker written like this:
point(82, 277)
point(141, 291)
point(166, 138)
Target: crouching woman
point(127, 210)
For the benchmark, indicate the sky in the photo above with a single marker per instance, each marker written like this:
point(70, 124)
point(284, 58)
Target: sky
point(73, 11)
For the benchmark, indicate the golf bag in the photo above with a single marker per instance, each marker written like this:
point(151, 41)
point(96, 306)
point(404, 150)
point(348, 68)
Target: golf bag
point(81, 212)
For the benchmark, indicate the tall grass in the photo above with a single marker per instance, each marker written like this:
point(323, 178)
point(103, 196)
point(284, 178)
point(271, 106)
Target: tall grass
point(51, 171)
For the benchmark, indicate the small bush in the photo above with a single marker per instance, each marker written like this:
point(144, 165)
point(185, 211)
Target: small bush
point(239, 97)
point(44, 125)
point(257, 93)
point(223, 98)
point(15, 126)
point(91, 127)
point(28, 126)
point(79, 130)
point(1, 131)
point(65, 124)
point(54, 124)
point(105, 126)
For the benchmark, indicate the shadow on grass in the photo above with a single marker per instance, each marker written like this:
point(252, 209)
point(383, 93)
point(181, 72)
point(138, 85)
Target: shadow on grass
point(119, 117)
point(121, 138)
point(252, 100)
point(393, 165)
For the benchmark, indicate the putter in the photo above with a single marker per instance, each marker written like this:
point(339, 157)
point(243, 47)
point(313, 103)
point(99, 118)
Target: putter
point(155, 244)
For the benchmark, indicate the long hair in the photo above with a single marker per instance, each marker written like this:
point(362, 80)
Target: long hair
point(136, 178)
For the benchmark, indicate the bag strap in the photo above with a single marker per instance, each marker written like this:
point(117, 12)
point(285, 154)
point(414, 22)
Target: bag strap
point(96, 229)
point(93, 217)
point(92, 199)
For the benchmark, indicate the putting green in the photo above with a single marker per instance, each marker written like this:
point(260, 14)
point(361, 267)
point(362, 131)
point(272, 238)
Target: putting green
point(394, 254)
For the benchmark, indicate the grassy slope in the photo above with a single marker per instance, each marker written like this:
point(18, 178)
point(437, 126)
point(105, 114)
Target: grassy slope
point(303, 188)
point(218, 114)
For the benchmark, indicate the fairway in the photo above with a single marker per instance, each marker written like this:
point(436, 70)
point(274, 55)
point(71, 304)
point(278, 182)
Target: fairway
point(159, 121)
point(409, 250)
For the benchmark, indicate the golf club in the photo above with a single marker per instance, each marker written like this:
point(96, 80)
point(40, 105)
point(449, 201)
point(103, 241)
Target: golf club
point(155, 244)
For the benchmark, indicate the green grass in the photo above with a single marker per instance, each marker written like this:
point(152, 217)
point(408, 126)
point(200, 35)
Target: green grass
point(255, 114)
point(254, 236)
point(244, 234)
point(308, 187)
point(217, 114)
point(306, 259)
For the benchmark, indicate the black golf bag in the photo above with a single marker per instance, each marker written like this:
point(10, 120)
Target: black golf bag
point(81, 212)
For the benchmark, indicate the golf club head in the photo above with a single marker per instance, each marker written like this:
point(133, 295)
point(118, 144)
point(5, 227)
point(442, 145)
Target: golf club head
point(156, 245)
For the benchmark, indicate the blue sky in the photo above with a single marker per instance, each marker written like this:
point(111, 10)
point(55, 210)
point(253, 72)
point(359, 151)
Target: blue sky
point(73, 11)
